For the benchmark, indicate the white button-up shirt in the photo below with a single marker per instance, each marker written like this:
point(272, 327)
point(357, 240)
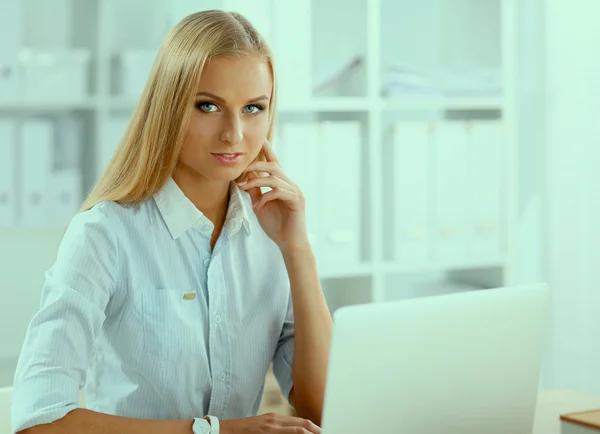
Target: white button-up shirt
point(159, 326)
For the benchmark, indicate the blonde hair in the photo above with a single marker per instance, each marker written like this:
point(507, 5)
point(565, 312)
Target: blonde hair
point(149, 150)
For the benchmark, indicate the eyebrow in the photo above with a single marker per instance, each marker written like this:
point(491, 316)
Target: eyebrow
point(218, 98)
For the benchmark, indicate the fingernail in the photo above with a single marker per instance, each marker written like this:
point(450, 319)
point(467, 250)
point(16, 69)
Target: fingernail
point(242, 183)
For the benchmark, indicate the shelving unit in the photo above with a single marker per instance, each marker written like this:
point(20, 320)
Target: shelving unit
point(441, 103)
point(428, 35)
point(27, 107)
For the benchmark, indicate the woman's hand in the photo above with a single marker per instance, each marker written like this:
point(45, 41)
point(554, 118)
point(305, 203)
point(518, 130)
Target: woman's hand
point(280, 211)
point(269, 423)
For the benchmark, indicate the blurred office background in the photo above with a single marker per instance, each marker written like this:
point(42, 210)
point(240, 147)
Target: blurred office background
point(443, 145)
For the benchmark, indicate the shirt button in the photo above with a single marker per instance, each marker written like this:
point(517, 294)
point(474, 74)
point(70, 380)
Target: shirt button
point(223, 376)
point(218, 319)
point(207, 262)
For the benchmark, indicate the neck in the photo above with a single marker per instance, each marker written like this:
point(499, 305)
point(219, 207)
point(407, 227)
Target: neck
point(210, 197)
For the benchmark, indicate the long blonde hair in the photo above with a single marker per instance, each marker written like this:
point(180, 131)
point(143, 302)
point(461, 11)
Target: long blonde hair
point(149, 150)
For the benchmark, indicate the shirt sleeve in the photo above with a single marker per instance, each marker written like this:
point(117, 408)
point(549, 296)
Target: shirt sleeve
point(60, 340)
point(284, 354)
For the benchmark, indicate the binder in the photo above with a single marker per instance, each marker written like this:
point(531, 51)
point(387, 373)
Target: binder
point(485, 142)
point(339, 156)
point(135, 67)
point(412, 192)
point(451, 221)
point(298, 151)
point(292, 49)
point(36, 164)
point(8, 160)
point(10, 19)
point(148, 29)
point(69, 144)
point(110, 139)
point(65, 195)
point(57, 74)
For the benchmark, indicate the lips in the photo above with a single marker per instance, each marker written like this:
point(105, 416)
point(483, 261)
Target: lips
point(228, 158)
point(230, 155)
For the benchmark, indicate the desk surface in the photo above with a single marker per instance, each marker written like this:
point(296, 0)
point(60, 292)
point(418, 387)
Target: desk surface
point(552, 403)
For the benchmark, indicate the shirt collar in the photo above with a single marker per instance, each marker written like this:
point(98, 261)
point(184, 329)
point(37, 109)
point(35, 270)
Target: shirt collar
point(180, 214)
point(238, 211)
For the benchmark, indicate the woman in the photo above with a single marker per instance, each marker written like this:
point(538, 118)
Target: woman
point(181, 281)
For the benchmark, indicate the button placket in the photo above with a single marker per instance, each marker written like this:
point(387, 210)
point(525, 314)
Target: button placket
point(216, 349)
point(226, 349)
point(220, 349)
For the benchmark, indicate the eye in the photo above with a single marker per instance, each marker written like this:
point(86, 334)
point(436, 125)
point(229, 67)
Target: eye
point(253, 109)
point(207, 107)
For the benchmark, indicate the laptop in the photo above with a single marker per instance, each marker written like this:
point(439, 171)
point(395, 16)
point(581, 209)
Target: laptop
point(465, 363)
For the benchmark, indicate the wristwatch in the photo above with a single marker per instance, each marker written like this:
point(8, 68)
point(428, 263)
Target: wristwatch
point(205, 425)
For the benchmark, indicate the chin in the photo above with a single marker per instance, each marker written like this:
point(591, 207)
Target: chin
point(226, 174)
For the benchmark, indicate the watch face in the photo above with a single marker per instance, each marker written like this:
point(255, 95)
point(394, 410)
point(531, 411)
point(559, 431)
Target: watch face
point(201, 426)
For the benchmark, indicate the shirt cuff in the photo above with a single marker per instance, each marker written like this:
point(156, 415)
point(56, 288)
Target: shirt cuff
point(42, 400)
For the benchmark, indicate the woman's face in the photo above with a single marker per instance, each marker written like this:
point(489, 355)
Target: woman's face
point(230, 119)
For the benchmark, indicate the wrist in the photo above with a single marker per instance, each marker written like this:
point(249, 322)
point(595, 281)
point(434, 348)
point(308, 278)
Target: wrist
point(298, 249)
point(224, 427)
point(206, 425)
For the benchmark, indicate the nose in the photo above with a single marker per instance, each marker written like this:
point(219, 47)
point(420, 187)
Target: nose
point(232, 131)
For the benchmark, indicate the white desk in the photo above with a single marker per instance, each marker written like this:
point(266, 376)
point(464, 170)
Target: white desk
point(553, 403)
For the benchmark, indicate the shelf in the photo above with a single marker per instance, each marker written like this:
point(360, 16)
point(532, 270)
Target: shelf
point(341, 104)
point(326, 272)
point(335, 272)
point(52, 234)
point(411, 102)
point(48, 105)
point(391, 267)
point(35, 233)
point(122, 103)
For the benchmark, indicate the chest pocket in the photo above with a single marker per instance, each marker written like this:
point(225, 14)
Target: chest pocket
point(174, 323)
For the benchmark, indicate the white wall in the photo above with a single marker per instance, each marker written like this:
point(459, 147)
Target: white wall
point(573, 201)
point(531, 140)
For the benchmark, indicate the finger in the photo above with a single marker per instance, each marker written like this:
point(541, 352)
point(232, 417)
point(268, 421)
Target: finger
point(268, 181)
point(255, 193)
point(307, 424)
point(286, 196)
point(313, 428)
point(264, 166)
point(269, 153)
point(271, 168)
